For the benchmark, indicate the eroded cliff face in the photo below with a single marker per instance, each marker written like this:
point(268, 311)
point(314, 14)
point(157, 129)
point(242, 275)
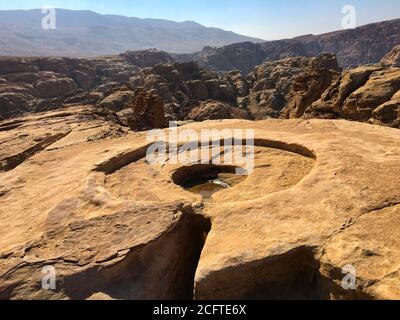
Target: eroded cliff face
point(363, 45)
point(29, 85)
point(369, 93)
point(285, 88)
point(302, 87)
point(77, 194)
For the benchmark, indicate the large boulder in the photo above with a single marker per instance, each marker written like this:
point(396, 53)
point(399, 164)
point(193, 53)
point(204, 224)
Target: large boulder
point(307, 88)
point(389, 112)
point(12, 104)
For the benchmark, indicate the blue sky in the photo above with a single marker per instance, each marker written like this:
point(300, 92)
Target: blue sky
point(267, 19)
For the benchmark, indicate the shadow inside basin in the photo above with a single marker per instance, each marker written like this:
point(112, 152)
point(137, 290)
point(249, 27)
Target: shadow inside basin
point(206, 180)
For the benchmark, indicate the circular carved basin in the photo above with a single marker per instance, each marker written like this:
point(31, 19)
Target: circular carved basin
point(277, 166)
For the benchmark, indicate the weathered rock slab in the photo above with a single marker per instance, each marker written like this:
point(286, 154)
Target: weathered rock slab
point(324, 194)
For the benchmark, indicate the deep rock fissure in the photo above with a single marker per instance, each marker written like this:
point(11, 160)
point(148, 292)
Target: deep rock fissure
point(163, 269)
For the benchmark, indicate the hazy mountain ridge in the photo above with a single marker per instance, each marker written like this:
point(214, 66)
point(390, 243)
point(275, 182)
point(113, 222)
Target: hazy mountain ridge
point(86, 33)
point(363, 45)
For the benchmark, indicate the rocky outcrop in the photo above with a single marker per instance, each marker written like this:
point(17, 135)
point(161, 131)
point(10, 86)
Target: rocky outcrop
point(15, 99)
point(388, 112)
point(183, 86)
point(87, 205)
point(381, 87)
point(310, 87)
point(315, 87)
point(148, 111)
point(392, 59)
point(147, 58)
point(285, 88)
point(214, 110)
point(368, 93)
point(114, 69)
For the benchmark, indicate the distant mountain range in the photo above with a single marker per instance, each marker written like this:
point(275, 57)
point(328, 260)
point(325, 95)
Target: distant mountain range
point(86, 33)
point(363, 45)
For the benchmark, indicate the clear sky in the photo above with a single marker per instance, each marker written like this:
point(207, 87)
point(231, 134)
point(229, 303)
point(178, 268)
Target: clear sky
point(266, 19)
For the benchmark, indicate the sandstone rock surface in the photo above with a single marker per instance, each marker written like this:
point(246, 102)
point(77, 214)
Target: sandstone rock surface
point(77, 194)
